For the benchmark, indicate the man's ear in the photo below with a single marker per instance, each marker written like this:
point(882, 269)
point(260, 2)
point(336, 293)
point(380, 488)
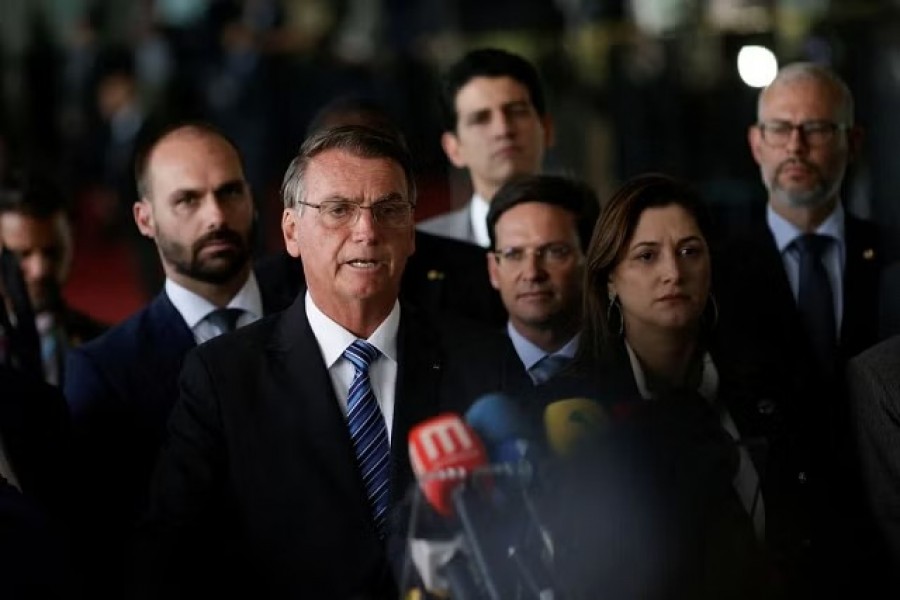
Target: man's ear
point(754, 139)
point(143, 217)
point(451, 146)
point(290, 230)
point(549, 131)
point(855, 137)
point(493, 270)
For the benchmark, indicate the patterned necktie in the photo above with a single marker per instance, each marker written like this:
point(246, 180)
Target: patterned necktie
point(368, 431)
point(816, 299)
point(546, 368)
point(225, 319)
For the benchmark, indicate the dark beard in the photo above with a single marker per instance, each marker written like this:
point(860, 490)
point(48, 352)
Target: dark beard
point(216, 271)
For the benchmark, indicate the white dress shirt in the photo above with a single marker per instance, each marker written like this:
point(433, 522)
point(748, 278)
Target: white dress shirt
point(478, 210)
point(334, 339)
point(834, 259)
point(194, 309)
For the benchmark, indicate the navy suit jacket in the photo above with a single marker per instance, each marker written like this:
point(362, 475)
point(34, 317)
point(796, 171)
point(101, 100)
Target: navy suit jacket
point(257, 488)
point(120, 388)
point(801, 412)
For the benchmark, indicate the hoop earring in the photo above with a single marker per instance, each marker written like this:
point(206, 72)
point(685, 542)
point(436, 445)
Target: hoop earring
point(614, 303)
point(711, 301)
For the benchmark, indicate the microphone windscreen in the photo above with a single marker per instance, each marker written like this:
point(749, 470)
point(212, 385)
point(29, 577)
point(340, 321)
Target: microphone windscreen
point(572, 423)
point(442, 451)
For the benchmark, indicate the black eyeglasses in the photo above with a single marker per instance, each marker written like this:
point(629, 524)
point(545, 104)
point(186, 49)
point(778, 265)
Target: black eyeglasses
point(552, 254)
point(816, 133)
point(335, 214)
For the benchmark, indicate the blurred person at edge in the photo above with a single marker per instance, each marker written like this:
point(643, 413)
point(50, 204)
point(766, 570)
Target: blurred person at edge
point(671, 473)
point(35, 227)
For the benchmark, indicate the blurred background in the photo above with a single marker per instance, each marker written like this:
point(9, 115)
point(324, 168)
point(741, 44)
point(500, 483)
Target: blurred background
point(634, 85)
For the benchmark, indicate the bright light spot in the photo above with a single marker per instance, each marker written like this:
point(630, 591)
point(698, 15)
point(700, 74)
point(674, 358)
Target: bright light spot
point(757, 66)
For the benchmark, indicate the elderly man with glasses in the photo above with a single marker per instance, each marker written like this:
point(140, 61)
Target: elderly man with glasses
point(288, 447)
point(798, 298)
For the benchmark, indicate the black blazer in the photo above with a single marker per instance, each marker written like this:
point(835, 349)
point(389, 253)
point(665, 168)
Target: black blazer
point(34, 427)
point(257, 488)
point(801, 412)
point(120, 388)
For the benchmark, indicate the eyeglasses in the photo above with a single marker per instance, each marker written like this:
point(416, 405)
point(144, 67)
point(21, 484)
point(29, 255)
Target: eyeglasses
point(816, 133)
point(555, 253)
point(335, 214)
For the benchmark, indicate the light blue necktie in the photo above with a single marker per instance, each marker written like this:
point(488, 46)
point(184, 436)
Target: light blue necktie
point(368, 431)
point(546, 368)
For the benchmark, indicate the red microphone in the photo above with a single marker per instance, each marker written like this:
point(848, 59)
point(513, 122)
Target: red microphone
point(443, 450)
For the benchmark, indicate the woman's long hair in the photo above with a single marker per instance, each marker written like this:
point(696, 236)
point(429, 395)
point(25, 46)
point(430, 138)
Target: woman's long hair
point(609, 244)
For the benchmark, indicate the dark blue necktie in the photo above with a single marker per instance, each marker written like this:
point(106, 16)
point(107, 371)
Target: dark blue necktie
point(816, 299)
point(546, 368)
point(225, 319)
point(368, 431)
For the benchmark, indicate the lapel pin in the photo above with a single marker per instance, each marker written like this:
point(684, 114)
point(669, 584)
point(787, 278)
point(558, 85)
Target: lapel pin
point(434, 275)
point(868, 254)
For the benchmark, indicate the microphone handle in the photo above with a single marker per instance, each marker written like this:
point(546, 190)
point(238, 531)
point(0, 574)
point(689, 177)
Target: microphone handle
point(473, 543)
point(459, 579)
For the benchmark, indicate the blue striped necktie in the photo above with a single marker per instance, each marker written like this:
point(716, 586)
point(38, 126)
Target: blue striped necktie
point(368, 431)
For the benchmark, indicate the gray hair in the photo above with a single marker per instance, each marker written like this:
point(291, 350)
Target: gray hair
point(808, 71)
point(363, 142)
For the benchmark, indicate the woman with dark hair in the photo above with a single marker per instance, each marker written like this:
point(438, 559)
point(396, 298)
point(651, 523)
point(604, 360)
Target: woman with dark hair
point(647, 354)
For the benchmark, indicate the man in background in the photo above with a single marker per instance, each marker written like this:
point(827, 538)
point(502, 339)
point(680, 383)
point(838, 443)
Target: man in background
point(35, 227)
point(540, 226)
point(496, 126)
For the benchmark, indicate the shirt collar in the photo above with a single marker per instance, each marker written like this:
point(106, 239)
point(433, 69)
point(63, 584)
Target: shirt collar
point(194, 308)
point(709, 378)
point(786, 232)
point(478, 214)
point(530, 354)
point(333, 339)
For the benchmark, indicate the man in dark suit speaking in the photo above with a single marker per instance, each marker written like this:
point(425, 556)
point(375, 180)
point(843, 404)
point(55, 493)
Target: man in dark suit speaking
point(287, 448)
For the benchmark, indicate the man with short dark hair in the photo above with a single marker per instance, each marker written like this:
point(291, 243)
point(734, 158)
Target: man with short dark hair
point(288, 446)
point(540, 227)
point(495, 125)
point(196, 205)
point(34, 226)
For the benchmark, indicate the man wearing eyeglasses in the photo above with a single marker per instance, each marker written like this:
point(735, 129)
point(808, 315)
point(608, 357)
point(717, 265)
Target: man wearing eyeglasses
point(539, 228)
point(288, 447)
point(798, 297)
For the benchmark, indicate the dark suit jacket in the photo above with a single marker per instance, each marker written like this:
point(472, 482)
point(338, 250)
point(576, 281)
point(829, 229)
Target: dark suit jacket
point(873, 380)
point(34, 427)
point(120, 388)
point(443, 276)
point(653, 505)
point(257, 488)
point(802, 412)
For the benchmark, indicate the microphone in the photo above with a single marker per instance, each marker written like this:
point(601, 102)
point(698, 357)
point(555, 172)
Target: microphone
point(508, 431)
point(511, 435)
point(444, 453)
point(443, 450)
point(573, 423)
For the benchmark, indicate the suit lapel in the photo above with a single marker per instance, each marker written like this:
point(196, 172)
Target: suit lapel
point(309, 395)
point(417, 394)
